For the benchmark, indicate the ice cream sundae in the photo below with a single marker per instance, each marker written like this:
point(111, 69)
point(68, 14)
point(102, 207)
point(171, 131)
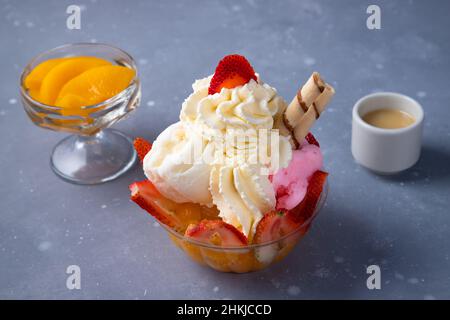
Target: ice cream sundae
point(238, 178)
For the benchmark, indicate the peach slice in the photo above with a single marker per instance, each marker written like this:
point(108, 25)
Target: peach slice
point(71, 104)
point(34, 80)
point(34, 93)
point(97, 84)
point(63, 72)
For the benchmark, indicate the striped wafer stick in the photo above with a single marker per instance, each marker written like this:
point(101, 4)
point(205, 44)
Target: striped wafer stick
point(306, 107)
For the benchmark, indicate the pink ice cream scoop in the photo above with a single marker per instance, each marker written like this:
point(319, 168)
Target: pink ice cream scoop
point(290, 184)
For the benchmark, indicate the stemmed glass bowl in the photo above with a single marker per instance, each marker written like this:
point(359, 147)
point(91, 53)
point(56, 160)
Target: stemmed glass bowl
point(93, 154)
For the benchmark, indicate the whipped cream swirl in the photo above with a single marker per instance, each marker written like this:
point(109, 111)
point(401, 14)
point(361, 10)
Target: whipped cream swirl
point(240, 188)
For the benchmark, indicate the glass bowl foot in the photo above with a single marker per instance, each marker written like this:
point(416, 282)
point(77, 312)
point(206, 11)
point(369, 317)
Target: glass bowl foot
point(93, 159)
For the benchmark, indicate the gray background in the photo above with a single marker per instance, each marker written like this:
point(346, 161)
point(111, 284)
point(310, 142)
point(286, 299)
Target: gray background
point(400, 223)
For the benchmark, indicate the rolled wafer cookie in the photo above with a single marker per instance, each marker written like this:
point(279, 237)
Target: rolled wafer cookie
point(306, 107)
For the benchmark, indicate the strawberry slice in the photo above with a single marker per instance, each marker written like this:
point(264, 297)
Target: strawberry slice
point(145, 194)
point(142, 147)
point(216, 232)
point(177, 216)
point(274, 225)
point(311, 139)
point(232, 71)
point(305, 209)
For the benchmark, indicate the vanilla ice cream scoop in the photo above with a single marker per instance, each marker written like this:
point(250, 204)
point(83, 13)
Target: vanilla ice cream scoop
point(167, 165)
point(193, 160)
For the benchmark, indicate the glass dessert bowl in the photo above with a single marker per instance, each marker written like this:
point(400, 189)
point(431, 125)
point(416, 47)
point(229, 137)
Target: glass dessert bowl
point(222, 247)
point(238, 180)
point(247, 258)
point(93, 154)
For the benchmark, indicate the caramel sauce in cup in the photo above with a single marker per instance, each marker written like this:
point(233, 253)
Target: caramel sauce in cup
point(389, 118)
point(387, 132)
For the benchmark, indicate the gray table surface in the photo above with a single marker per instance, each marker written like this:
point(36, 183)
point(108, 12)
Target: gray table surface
point(400, 223)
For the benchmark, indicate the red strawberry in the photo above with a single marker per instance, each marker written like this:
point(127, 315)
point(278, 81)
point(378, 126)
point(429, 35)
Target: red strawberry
point(232, 71)
point(142, 147)
point(274, 225)
point(311, 139)
point(216, 232)
point(148, 198)
point(305, 209)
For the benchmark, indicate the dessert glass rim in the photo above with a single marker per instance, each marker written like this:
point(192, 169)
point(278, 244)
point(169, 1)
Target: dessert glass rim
point(319, 206)
point(27, 69)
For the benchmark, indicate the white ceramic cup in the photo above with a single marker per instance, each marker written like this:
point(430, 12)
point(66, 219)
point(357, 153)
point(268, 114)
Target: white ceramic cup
point(386, 151)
